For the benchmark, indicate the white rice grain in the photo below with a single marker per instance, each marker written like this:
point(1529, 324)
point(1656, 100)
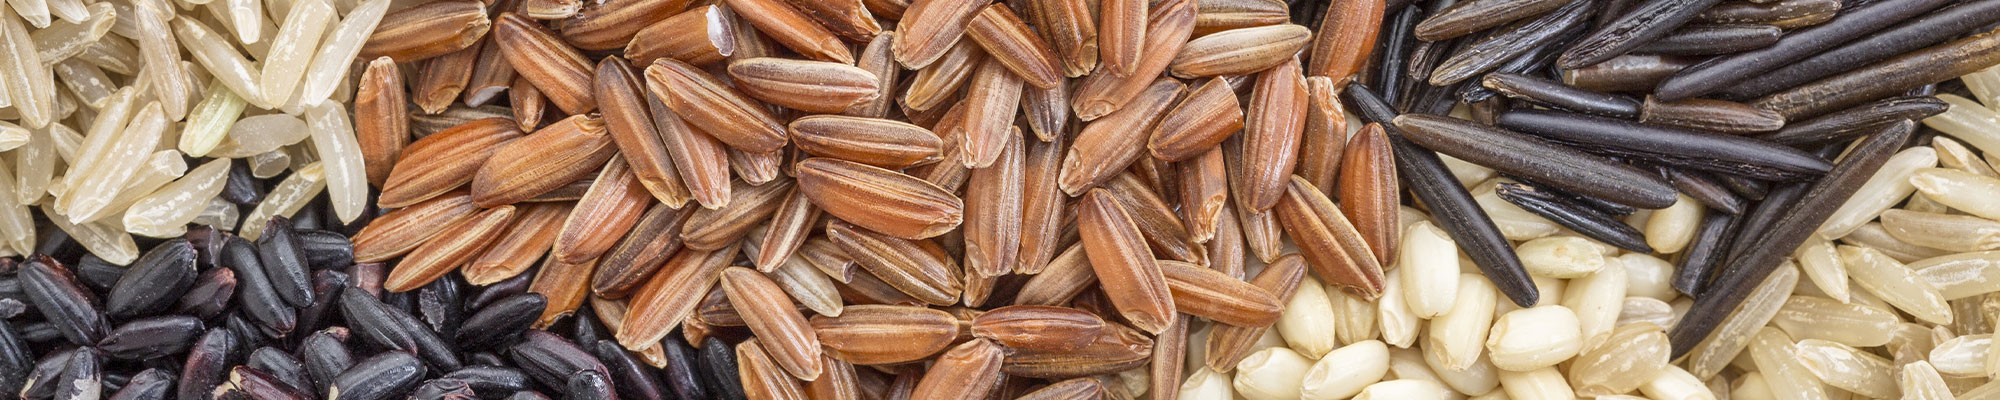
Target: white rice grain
point(31, 87)
point(35, 11)
point(1952, 154)
point(12, 136)
point(220, 59)
point(1771, 350)
point(1620, 361)
point(269, 164)
point(1921, 203)
point(1959, 233)
point(1551, 290)
point(64, 39)
point(1206, 384)
point(90, 189)
point(1538, 384)
point(86, 80)
point(1670, 229)
point(161, 167)
point(112, 53)
point(245, 18)
point(292, 50)
point(1969, 121)
point(1810, 317)
point(1514, 222)
point(69, 10)
point(330, 67)
point(34, 166)
point(1961, 190)
point(1646, 310)
point(260, 134)
point(1410, 364)
point(1480, 377)
point(1894, 283)
point(1675, 383)
point(17, 225)
point(105, 239)
point(1962, 355)
point(1468, 174)
point(160, 55)
point(1597, 299)
point(1887, 187)
point(1458, 335)
point(1563, 256)
point(1270, 374)
point(1399, 325)
point(1429, 268)
point(1708, 358)
point(1848, 368)
point(210, 122)
point(1921, 382)
point(1309, 321)
point(1985, 84)
point(1648, 276)
point(346, 181)
point(1751, 386)
point(1343, 372)
point(1962, 275)
point(1356, 317)
point(284, 199)
point(1532, 338)
point(1403, 389)
point(166, 212)
point(219, 213)
point(1874, 236)
point(1821, 264)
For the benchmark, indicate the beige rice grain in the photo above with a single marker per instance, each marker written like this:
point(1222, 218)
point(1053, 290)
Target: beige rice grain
point(1921, 382)
point(1730, 337)
point(1398, 324)
point(1670, 229)
point(1539, 384)
point(1344, 372)
point(1597, 299)
point(1898, 285)
point(1309, 320)
point(1271, 374)
point(1429, 270)
point(1810, 317)
point(1534, 338)
point(1848, 368)
point(1457, 335)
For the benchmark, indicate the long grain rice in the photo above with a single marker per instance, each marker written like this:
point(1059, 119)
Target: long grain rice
point(1735, 333)
point(1886, 188)
point(1894, 283)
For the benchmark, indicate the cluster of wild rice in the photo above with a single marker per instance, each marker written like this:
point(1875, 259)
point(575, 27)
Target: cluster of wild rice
point(965, 199)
